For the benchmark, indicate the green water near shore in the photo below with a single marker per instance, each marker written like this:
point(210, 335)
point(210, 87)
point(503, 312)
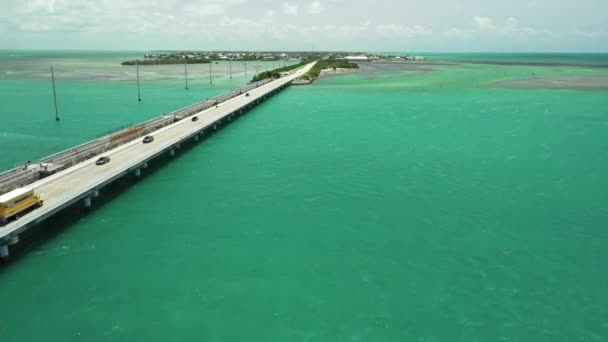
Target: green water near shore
point(413, 204)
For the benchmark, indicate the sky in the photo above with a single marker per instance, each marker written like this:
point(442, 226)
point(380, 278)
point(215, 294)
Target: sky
point(277, 25)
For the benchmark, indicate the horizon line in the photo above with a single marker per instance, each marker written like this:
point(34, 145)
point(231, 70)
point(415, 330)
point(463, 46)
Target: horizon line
point(308, 51)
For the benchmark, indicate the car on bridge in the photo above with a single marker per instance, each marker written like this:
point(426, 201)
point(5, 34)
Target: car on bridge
point(195, 118)
point(148, 139)
point(247, 94)
point(102, 160)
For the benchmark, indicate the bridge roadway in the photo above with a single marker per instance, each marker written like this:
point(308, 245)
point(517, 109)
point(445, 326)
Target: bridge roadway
point(84, 180)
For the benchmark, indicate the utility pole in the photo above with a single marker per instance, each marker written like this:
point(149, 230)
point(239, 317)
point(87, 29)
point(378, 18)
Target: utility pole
point(57, 118)
point(186, 72)
point(138, 89)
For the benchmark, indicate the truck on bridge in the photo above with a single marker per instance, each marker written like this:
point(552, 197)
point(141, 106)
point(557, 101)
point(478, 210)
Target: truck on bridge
point(18, 202)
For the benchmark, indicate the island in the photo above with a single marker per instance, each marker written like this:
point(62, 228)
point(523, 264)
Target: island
point(201, 57)
point(325, 64)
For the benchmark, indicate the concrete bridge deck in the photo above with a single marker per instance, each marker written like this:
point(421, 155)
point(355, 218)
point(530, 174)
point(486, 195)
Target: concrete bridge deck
point(83, 181)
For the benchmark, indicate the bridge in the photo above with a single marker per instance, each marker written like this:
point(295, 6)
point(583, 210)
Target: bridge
point(83, 181)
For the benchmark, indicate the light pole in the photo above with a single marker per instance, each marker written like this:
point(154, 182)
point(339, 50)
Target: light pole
point(186, 72)
point(138, 88)
point(57, 118)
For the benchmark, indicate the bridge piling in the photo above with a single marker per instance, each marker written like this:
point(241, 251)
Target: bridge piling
point(138, 172)
point(196, 137)
point(3, 252)
point(87, 202)
point(14, 240)
point(96, 193)
point(171, 152)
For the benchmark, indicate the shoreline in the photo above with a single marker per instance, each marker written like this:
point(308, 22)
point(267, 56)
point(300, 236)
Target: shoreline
point(326, 72)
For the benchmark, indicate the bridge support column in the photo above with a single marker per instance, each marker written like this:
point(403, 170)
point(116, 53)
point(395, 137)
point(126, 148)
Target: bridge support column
point(171, 152)
point(3, 252)
point(137, 172)
point(215, 127)
point(87, 202)
point(14, 240)
point(144, 165)
point(95, 193)
point(178, 146)
point(196, 137)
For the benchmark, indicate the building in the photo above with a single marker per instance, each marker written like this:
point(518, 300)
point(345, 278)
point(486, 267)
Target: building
point(357, 58)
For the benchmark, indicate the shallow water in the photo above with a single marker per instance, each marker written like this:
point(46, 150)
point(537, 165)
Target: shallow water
point(372, 206)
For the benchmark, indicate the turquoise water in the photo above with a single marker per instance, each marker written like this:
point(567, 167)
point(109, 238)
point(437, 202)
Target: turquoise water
point(372, 206)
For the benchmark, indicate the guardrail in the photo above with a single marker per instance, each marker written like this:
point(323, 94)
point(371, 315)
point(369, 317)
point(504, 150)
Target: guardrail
point(20, 172)
point(27, 172)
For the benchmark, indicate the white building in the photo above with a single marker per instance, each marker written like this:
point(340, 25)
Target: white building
point(357, 58)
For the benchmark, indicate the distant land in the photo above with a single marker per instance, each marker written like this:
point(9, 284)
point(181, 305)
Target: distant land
point(202, 57)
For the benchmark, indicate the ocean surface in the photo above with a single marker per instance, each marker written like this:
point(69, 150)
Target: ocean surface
point(401, 202)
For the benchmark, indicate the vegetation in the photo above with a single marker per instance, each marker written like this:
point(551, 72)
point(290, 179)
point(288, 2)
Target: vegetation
point(194, 57)
point(175, 60)
point(276, 73)
point(327, 64)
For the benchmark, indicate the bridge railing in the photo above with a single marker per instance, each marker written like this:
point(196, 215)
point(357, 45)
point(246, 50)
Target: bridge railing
point(197, 107)
point(27, 172)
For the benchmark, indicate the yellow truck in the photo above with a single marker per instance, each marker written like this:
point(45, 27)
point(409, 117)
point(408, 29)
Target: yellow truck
point(18, 202)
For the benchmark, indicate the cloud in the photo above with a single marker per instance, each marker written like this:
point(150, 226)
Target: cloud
point(47, 6)
point(484, 23)
point(110, 15)
point(290, 9)
point(399, 30)
point(141, 24)
point(204, 9)
point(511, 25)
point(590, 34)
point(315, 7)
point(353, 30)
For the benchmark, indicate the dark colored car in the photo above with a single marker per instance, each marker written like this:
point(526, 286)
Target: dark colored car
point(247, 94)
point(102, 160)
point(195, 118)
point(148, 139)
